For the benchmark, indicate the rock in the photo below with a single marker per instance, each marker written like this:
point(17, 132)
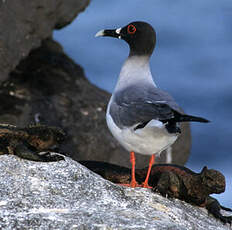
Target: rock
point(65, 195)
point(24, 24)
point(48, 87)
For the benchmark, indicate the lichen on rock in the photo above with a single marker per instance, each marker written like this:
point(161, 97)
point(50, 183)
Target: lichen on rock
point(66, 195)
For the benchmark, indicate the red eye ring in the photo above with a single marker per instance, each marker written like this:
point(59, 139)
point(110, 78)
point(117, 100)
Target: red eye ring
point(131, 29)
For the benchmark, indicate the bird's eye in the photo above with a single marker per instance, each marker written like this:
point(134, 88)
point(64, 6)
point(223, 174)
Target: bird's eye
point(131, 29)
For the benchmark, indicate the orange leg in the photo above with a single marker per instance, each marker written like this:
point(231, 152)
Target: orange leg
point(133, 182)
point(151, 162)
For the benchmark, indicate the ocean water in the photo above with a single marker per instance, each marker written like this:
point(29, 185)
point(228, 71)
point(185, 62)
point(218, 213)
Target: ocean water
point(192, 61)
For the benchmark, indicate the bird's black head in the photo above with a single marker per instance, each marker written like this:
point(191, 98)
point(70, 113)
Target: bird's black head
point(140, 36)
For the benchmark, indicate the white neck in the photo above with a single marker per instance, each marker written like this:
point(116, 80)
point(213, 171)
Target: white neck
point(136, 69)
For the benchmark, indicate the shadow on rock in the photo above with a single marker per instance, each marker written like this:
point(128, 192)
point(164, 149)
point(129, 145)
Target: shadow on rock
point(47, 87)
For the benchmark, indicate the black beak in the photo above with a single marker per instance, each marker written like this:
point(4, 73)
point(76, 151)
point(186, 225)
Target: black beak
point(109, 33)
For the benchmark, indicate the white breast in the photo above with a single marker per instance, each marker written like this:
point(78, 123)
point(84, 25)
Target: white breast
point(152, 139)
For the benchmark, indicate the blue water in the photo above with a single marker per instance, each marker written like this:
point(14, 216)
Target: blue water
point(192, 61)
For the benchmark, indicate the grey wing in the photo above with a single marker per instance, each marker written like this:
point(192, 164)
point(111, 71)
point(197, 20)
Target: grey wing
point(134, 105)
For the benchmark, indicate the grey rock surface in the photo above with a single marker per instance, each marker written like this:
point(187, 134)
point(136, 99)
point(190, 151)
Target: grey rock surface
point(48, 87)
point(65, 195)
point(24, 24)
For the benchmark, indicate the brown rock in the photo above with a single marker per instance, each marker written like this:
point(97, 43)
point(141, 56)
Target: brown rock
point(24, 24)
point(48, 87)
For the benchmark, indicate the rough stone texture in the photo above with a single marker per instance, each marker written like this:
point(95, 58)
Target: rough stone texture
point(50, 88)
point(65, 195)
point(24, 24)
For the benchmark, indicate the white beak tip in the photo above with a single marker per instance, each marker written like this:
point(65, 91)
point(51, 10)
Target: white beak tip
point(118, 30)
point(99, 33)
